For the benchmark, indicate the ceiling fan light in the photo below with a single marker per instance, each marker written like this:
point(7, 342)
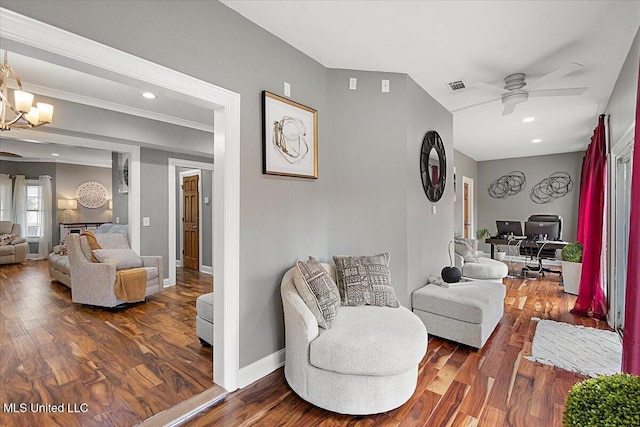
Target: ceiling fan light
point(537, 140)
point(515, 97)
point(46, 112)
point(33, 116)
point(23, 100)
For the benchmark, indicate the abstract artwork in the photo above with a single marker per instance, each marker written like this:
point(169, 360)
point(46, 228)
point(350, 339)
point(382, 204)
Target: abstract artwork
point(553, 187)
point(507, 185)
point(289, 137)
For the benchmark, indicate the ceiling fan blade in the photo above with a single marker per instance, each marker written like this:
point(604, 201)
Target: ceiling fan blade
point(508, 109)
point(491, 87)
point(562, 71)
point(476, 105)
point(558, 92)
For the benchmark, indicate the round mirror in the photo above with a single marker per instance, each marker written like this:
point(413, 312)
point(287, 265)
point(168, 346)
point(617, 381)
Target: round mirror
point(433, 166)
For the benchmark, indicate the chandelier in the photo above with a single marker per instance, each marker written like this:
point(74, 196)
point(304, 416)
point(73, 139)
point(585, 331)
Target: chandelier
point(24, 114)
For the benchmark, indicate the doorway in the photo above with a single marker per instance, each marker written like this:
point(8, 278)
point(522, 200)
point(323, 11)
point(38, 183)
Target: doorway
point(60, 45)
point(467, 208)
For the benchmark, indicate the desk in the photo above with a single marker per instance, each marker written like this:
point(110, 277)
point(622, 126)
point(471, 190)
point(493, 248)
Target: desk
point(525, 243)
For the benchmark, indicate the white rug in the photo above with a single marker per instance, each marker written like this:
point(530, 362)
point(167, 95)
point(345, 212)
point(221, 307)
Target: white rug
point(580, 349)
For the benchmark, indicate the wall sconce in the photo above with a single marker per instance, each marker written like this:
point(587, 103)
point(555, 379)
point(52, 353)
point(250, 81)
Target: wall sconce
point(67, 205)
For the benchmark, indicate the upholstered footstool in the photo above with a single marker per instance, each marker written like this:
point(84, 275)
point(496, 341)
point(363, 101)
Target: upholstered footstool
point(466, 313)
point(204, 318)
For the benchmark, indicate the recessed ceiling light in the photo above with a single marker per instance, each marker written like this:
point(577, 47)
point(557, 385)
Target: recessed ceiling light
point(55, 154)
point(535, 141)
point(149, 95)
point(528, 119)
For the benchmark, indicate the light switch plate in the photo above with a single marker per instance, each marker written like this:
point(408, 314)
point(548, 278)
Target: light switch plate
point(287, 89)
point(433, 209)
point(385, 86)
point(146, 221)
point(353, 83)
point(117, 220)
point(206, 200)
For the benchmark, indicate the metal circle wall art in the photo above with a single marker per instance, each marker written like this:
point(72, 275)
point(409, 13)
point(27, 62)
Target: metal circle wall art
point(433, 166)
point(507, 185)
point(91, 194)
point(555, 186)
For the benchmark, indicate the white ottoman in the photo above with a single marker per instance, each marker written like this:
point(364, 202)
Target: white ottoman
point(467, 313)
point(204, 318)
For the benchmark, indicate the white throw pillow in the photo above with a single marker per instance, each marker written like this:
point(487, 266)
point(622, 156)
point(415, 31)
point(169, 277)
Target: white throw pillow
point(122, 258)
point(467, 249)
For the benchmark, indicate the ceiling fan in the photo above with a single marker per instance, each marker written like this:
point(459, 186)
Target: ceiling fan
point(514, 91)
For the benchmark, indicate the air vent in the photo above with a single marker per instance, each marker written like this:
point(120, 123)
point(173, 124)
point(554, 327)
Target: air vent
point(456, 86)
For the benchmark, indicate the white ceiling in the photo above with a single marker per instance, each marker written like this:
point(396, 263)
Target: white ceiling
point(436, 42)
point(46, 152)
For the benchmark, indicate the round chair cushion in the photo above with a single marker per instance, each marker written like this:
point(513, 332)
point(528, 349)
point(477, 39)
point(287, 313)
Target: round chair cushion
point(370, 340)
point(485, 268)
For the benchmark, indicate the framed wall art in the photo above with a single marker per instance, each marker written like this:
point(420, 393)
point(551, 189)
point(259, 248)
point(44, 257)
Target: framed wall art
point(289, 137)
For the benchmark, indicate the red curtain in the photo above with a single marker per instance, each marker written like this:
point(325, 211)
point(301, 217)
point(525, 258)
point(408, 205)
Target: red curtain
point(590, 220)
point(631, 338)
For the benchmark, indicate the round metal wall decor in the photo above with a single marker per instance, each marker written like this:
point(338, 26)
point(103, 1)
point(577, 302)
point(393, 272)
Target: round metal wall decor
point(433, 166)
point(91, 194)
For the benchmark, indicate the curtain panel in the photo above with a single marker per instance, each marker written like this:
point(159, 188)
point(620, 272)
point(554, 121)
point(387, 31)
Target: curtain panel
point(6, 205)
point(591, 296)
point(631, 338)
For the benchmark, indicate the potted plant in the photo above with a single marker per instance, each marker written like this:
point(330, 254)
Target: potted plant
point(572, 267)
point(604, 401)
point(482, 234)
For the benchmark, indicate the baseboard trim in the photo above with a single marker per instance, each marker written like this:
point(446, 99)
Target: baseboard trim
point(261, 368)
point(206, 269)
point(166, 284)
point(178, 263)
point(190, 408)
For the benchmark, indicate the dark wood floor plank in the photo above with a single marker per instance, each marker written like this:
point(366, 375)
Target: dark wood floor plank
point(55, 351)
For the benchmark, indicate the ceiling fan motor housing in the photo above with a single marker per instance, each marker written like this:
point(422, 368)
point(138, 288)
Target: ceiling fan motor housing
point(515, 97)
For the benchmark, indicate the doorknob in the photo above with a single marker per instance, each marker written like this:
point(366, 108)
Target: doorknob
point(195, 226)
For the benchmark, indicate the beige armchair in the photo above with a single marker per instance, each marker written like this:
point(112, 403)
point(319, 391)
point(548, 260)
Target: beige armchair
point(93, 283)
point(17, 250)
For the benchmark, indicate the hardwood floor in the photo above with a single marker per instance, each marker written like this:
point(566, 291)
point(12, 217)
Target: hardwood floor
point(125, 365)
point(456, 385)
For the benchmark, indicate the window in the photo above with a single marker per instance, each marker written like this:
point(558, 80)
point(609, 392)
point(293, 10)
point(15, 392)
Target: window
point(34, 215)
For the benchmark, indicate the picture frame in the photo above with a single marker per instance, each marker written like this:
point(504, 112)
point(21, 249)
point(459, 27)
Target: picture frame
point(289, 138)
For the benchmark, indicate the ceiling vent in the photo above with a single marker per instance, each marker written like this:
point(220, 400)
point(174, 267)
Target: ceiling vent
point(457, 86)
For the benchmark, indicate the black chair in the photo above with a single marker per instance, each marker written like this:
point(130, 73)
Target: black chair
point(534, 249)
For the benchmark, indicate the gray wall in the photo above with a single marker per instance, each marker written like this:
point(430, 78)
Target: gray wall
point(120, 212)
point(154, 172)
point(520, 206)
point(622, 103)
point(68, 178)
point(376, 198)
point(465, 166)
point(207, 215)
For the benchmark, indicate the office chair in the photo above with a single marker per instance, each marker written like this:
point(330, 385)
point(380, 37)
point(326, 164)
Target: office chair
point(538, 252)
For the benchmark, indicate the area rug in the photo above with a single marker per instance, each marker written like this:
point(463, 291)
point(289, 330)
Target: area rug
point(580, 349)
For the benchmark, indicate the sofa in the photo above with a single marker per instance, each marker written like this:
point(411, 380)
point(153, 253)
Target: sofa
point(475, 265)
point(59, 260)
point(93, 283)
point(365, 363)
point(13, 247)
